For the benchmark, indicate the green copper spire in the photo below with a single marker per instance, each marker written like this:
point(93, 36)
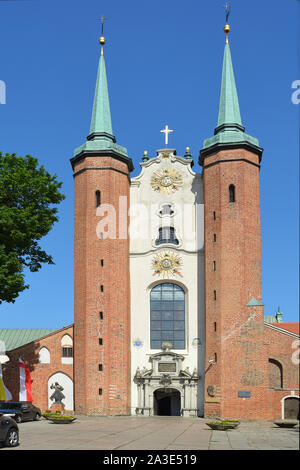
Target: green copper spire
point(230, 132)
point(101, 141)
point(101, 118)
point(229, 109)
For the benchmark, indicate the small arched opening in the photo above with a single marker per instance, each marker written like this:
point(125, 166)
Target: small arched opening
point(275, 374)
point(167, 402)
point(291, 408)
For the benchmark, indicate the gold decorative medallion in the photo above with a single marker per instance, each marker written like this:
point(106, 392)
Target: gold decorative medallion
point(165, 155)
point(166, 181)
point(167, 264)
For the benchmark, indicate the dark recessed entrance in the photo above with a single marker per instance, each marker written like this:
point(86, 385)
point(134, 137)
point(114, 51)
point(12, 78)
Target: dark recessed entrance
point(291, 408)
point(167, 402)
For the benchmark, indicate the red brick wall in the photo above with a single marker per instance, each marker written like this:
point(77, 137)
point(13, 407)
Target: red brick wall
point(40, 373)
point(241, 341)
point(238, 341)
point(283, 347)
point(114, 301)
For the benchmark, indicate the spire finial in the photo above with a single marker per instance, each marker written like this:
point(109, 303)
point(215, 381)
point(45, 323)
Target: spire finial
point(102, 38)
point(227, 27)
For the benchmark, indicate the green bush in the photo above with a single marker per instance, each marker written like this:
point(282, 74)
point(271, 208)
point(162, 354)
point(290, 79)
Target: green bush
point(62, 417)
point(48, 414)
point(225, 421)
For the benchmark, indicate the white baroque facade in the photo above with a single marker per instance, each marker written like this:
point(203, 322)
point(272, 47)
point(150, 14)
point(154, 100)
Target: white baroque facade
point(167, 262)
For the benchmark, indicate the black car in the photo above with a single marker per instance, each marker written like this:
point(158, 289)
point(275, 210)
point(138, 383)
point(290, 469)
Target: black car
point(9, 432)
point(20, 410)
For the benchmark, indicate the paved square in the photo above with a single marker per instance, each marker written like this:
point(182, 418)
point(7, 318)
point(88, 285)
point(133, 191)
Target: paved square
point(153, 433)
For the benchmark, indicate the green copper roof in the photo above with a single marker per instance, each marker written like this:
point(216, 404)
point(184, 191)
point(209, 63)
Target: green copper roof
point(229, 109)
point(254, 302)
point(230, 130)
point(101, 118)
point(101, 136)
point(277, 318)
point(14, 338)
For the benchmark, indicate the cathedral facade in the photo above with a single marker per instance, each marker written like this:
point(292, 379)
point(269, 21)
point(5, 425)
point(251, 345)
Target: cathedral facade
point(169, 316)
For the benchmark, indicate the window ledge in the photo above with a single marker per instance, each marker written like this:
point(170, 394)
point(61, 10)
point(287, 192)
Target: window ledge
point(67, 360)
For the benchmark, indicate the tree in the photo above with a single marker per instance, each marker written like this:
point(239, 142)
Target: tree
point(28, 195)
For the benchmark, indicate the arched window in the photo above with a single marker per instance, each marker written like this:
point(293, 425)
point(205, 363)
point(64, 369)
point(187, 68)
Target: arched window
point(166, 235)
point(232, 193)
point(167, 316)
point(166, 210)
point(275, 374)
point(66, 350)
point(44, 356)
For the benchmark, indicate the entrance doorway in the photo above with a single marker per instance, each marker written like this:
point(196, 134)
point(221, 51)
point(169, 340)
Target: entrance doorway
point(291, 408)
point(167, 402)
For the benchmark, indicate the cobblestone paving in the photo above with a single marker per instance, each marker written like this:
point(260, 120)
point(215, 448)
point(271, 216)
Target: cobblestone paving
point(153, 433)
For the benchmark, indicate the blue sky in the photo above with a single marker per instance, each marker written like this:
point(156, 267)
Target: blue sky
point(163, 61)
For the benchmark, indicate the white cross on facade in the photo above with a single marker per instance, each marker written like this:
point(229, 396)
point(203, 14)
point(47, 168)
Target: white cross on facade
point(166, 131)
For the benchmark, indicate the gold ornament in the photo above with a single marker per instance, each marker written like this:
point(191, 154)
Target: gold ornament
point(167, 264)
point(166, 181)
point(165, 155)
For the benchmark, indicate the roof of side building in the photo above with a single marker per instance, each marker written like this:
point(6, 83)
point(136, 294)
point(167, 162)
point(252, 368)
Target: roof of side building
point(293, 327)
point(15, 337)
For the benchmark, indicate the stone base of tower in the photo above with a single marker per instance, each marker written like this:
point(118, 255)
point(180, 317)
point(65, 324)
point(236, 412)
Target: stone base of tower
point(102, 412)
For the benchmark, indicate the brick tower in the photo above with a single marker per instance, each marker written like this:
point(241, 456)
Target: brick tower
point(101, 265)
point(236, 373)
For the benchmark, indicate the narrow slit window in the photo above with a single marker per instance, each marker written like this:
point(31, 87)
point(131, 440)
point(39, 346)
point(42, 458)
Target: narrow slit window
point(215, 295)
point(214, 265)
point(215, 237)
point(102, 262)
point(232, 193)
point(101, 288)
point(215, 326)
point(100, 341)
point(100, 391)
point(214, 215)
point(101, 315)
point(98, 198)
point(100, 367)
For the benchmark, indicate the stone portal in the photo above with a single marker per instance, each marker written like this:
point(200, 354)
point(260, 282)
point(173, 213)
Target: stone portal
point(166, 389)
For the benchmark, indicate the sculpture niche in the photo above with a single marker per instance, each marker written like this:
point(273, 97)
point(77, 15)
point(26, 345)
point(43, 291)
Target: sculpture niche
point(57, 396)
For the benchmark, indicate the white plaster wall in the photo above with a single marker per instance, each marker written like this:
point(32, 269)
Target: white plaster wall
point(188, 221)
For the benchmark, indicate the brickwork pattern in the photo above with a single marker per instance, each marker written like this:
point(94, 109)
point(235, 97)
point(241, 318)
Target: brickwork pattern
point(105, 391)
point(238, 341)
point(40, 373)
